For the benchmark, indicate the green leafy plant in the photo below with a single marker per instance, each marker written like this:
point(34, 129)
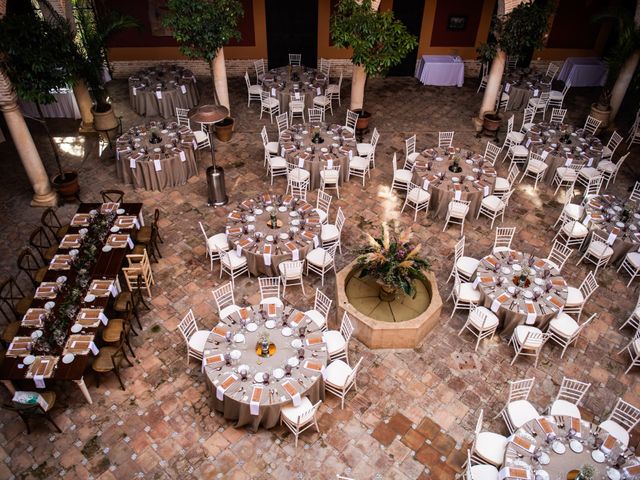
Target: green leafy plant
point(587, 472)
point(393, 260)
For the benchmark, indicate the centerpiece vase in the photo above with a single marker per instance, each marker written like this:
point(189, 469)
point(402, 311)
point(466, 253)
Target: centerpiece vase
point(387, 292)
point(265, 349)
point(522, 281)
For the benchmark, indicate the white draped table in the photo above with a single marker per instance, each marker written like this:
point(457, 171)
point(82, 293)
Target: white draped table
point(65, 106)
point(583, 72)
point(442, 70)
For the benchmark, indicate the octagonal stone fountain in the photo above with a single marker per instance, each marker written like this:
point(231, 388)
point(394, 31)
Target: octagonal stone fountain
point(383, 321)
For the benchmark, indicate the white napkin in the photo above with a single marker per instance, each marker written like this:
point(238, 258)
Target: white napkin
point(183, 157)
point(586, 220)
point(39, 381)
point(135, 91)
point(254, 407)
point(590, 162)
point(157, 165)
point(113, 289)
point(506, 473)
point(544, 154)
point(568, 162)
point(485, 192)
point(531, 317)
point(476, 282)
point(457, 194)
point(528, 143)
point(297, 95)
point(183, 88)
point(295, 255)
point(507, 87)
point(330, 163)
point(318, 91)
point(536, 92)
point(93, 348)
point(267, 259)
point(611, 239)
point(238, 249)
point(495, 305)
point(316, 242)
point(350, 154)
point(130, 243)
point(159, 94)
point(103, 318)
point(273, 92)
point(195, 144)
point(132, 163)
point(300, 162)
point(282, 152)
point(425, 184)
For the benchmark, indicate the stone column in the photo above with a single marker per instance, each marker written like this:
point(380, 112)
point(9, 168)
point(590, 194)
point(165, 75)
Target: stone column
point(493, 83)
point(44, 196)
point(359, 76)
point(625, 75)
point(81, 92)
point(220, 79)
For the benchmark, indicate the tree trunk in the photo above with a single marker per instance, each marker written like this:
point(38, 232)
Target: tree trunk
point(220, 79)
point(81, 92)
point(625, 75)
point(54, 147)
point(358, 81)
point(492, 90)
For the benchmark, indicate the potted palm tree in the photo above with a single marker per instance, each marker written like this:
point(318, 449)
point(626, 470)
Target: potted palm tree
point(378, 40)
point(39, 56)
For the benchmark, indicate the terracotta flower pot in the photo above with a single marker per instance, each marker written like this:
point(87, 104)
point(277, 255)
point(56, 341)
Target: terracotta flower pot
point(67, 186)
point(224, 129)
point(491, 121)
point(363, 119)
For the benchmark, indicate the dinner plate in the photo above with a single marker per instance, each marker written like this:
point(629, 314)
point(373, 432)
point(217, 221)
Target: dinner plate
point(528, 294)
point(470, 178)
point(36, 334)
point(613, 474)
point(282, 209)
point(293, 214)
point(455, 179)
point(120, 211)
point(598, 456)
point(238, 338)
point(544, 459)
point(619, 224)
point(541, 475)
point(251, 218)
point(235, 354)
point(89, 298)
point(293, 361)
point(297, 343)
point(157, 150)
point(270, 324)
point(475, 170)
point(324, 150)
point(257, 211)
point(269, 238)
point(106, 248)
point(286, 332)
point(308, 149)
point(278, 373)
point(94, 211)
point(73, 252)
point(295, 222)
point(115, 229)
point(252, 327)
point(49, 305)
point(576, 446)
point(511, 289)
point(243, 367)
point(505, 270)
point(617, 208)
point(83, 231)
point(305, 132)
point(258, 377)
point(558, 447)
point(439, 159)
point(538, 281)
point(61, 279)
point(283, 236)
point(468, 161)
point(269, 208)
point(28, 360)
point(76, 328)
point(516, 267)
point(68, 358)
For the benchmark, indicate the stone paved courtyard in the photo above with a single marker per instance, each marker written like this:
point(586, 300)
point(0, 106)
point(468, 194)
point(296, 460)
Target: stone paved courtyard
point(415, 410)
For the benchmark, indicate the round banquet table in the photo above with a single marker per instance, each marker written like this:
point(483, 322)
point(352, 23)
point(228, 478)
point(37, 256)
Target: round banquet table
point(296, 147)
point(542, 297)
point(249, 229)
point(520, 87)
point(159, 90)
point(282, 82)
point(247, 328)
point(560, 145)
point(617, 220)
point(155, 166)
point(530, 441)
point(475, 181)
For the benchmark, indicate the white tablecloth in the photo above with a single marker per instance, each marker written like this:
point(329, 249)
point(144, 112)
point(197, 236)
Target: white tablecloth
point(583, 72)
point(65, 106)
point(443, 70)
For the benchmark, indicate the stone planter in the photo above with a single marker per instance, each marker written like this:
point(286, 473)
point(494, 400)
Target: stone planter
point(375, 333)
point(601, 113)
point(363, 119)
point(104, 121)
point(68, 187)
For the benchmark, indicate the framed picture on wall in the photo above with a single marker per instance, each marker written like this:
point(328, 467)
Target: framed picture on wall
point(457, 22)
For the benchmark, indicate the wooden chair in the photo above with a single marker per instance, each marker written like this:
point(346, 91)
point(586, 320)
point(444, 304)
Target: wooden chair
point(28, 263)
point(13, 305)
point(41, 243)
point(138, 274)
point(119, 327)
point(51, 221)
point(115, 196)
point(147, 238)
point(27, 411)
point(109, 360)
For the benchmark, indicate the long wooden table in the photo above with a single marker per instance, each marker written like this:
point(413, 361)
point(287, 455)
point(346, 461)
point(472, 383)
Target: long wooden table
point(107, 267)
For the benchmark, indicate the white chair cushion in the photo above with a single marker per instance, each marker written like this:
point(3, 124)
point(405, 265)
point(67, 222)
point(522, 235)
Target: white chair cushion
point(501, 250)
point(292, 413)
point(218, 242)
point(412, 157)
point(198, 339)
point(233, 261)
point(573, 210)
point(516, 137)
point(364, 149)
point(564, 325)
point(490, 321)
point(502, 184)
point(358, 163)
point(492, 203)
point(418, 195)
point(329, 232)
point(575, 229)
point(562, 407)
point(555, 95)
point(458, 210)
point(296, 105)
point(333, 88)
point(337, 372)
point(403, 175)
point(536, 102)
point(521, 412)
point(318, 258)
point(299, 174)
point(277, 162)
point(329, 175)
point(567, 173)
point(519, 151)
point(634, 259)
point(521, 333)
point(606, 152)
point(588, 172)
point(527, 126)
point(255, 89)
point(200, 136)
point(607, 166)
point(600, 249)
point(574, 297)
point(616, 430)
point(484, 472)
point(467, 293)
point(272, 147)
point(491, 446)
point(271, 102)
point(228, 310)
point(334, 340)
point(467, 265)
point(536, 166)
point(316, 317)
point(291, 272)
point(321, 213)
point(321, 100)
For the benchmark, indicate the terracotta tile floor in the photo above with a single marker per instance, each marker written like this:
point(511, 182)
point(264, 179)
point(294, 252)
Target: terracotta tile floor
point(415, 410)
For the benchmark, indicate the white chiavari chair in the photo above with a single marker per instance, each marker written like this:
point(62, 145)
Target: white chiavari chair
point(314, 115)
point(536, 169)
point(631, 265)
point(350, 121)
point(340, 378)
point(633, 349)
point(491, 153)
point(502, 241)
point(323, 202)
point(269, 105)
point(558, 255)
point(295, 59)
point(337, 341)
point(493, 206)
point(291, 274)
point(225, 300)
point(481, 322)
point(609, 170)
point(599, 252)
point(518, 410)
point(445, 139)
point(270, 289)
point(557, 115)
point(417, 198)
point(401, 177)
point(253, 91)
point(296, 106)
point(214, 244)
point(331, 233)
point(578, 297)
point(556, 98)
point(465, 296)
point(261, 68)
point(320, 311)
point(621, 421)
point(569, 398)
point(410, 153)
point(369, 149)
point(503, 185)
point(194, 337)
point(321, 260)
point(487, 447)
point(457, 211)
point(591, 125)
point(564, 330)
point(464, 266)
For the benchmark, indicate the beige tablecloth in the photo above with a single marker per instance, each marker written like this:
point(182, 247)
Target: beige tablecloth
point(520, 87)
point(547, 140)
point(235, 403)
point(160, 90)
point(253, 216)
point(296, 144)
point(607, 216)
point(285, 83)
point(559, 464)
point(434, 162)
point(513, 311)
point(156, 166)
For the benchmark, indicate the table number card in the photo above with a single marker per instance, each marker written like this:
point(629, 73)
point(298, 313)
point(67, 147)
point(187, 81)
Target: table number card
point(159, 94)
point(183, 89)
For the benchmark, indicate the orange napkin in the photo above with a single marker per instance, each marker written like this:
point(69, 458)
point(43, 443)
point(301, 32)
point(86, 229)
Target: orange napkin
point(314, 341)
point(522, 442)
point(234, 230)
point(545, 425)
point(244, 313)
point(634, 470)
point(503, 298)
point(609, 442)
point(80, 220)
point(291, 390)
point(575, 424)
point(215, 359)
point(267, 249)
point(271, 309)
point(235, 216)
point(291, 246)
point(558, 282)
point(313, 366)
point(530, 308)
point(220, 331)
point(518, 473)
point(228, 382)
point(556, 302)
point(491, 260)
point(539, 263)
point(297, 318)
point(257, 394)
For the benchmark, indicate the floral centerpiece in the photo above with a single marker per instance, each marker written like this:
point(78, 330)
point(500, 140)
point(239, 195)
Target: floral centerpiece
point(587, 472)
point(393, 261)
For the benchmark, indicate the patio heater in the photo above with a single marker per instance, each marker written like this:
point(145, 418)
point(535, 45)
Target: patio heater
point(210, 115)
